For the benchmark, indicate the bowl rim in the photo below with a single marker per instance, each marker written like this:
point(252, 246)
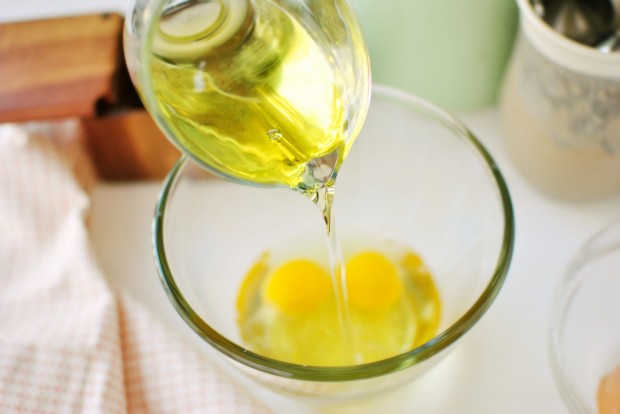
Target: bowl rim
point(355, 372)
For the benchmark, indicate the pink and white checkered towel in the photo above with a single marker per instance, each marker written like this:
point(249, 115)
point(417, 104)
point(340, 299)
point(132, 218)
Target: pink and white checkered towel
point(68, 342)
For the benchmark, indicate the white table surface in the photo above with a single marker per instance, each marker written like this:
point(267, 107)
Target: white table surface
point(501, 366)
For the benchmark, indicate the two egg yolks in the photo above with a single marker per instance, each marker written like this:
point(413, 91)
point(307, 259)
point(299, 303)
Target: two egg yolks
point(297, 286)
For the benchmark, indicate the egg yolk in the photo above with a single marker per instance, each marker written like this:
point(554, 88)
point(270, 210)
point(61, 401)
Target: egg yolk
point(373, 283)
point(297, 286)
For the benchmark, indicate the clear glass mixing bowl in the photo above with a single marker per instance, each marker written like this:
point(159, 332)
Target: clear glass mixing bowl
point(585, 323)
point(414, 174)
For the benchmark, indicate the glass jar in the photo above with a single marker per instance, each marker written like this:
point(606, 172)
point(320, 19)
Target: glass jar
point(560, 107)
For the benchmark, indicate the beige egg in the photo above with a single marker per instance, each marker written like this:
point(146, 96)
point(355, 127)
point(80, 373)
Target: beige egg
point(609, 393)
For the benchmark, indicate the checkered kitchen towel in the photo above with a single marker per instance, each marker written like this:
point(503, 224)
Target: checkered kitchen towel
point(68, 342)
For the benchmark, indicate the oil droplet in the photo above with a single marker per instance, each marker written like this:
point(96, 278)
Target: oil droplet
point(274, 134)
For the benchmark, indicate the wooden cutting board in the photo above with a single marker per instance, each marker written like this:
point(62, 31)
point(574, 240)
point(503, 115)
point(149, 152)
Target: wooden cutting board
point(74, 67)
point(59, 67)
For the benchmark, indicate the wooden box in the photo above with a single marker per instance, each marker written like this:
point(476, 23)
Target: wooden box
point(74, 67)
